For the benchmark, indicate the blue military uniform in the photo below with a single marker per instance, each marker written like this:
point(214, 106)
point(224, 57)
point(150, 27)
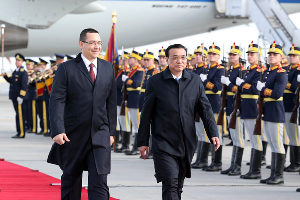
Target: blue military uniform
point(275, 80)
point(18, 85)
point(213, 87)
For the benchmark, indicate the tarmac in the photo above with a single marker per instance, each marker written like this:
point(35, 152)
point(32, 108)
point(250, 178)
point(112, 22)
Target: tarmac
point(132, 178)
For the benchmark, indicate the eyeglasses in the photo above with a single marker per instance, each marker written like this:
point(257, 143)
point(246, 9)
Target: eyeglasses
point(177, 58)
point(99, 43)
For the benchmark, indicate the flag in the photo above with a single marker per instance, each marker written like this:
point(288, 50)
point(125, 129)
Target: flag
point(111, 54)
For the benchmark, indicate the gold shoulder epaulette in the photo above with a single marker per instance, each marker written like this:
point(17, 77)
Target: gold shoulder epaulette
point(22, 70)
point(281, 70)
point(140, 69)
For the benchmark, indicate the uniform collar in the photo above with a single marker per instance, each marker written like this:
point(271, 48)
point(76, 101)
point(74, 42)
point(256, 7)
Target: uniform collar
point(253, 66)
point(200, 65)
point(150, 68)
point(236, 66)
point(275, 67)
point(295, 66)
point(213, 65)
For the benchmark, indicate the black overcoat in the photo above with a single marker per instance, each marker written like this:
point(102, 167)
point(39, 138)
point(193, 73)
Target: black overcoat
point(86, 112)
point(169, 109)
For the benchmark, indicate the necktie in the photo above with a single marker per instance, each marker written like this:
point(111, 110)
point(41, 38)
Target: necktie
point(92, 74)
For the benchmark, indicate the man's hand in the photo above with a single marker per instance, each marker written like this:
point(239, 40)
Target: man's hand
point(61, 138)
point(216, 142)
point(124, 77)
point(142, 151)
point(239, 81)
point(225, 80)
point(112, 139)
point(203, 77)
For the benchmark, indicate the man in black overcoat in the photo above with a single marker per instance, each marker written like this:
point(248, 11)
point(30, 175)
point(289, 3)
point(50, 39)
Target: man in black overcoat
point(171, 101)
point(83, 114)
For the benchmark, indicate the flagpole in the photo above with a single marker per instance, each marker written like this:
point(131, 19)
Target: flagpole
point(2, 47)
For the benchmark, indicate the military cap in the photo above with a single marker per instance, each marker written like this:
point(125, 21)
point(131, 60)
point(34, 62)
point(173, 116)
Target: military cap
point(69, 57)
point(275, 48)
point(53, 62)
point(42, 61)
point(148, 55)
point(201, 49)
point(135, 54)
point(234, 49)
point(161, 52)
point(189, 56)
point(294, 50)
point(252, 48)
point(29, 61)
point(59, 56)
point(126, 55)
point(214, 49)
point(19, 56)
point(36, 64)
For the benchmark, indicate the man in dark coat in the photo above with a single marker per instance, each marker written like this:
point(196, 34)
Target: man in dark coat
point(171, 101)
point(83, 114)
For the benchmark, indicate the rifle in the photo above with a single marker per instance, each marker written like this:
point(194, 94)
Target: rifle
point(220, 120)
point(294, 115)
point(237, 101)
point(257, 128)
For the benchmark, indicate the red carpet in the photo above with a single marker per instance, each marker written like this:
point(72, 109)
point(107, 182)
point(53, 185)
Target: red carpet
point(21, 183)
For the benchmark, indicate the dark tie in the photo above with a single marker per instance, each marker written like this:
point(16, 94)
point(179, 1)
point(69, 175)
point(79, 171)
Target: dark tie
point(92, 74)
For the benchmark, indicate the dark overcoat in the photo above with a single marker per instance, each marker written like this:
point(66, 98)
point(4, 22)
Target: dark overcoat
point(169, 108)
point(86, 112)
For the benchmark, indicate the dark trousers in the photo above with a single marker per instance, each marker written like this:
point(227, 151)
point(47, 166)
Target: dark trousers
point(19, 118)
point(28, 114)
point(71, 184)
point(170, 170)
point(42, 115)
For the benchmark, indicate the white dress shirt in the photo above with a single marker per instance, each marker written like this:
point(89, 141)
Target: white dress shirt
point(177, 78)
point(87, 64)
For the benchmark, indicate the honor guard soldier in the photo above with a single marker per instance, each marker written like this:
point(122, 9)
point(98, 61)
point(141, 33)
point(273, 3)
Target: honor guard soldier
point(289, 100)
point(59, 59)
point(123, 125)
point(272, 88)
point(162, 59)
point(42, 97)
point(29, 108)
point(134, 81)
point(213, 87)
point(122, 97)
point(248, 111)
point(150, 71)
point(192, 64)
point(203, 140)
point(17, 91)
point(237, 136)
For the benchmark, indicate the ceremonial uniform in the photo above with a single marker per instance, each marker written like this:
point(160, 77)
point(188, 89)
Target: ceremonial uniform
point(134, 84)
point(237, 134)
point(248, 114)
point(203, 141)
point(17, 92)
point(213, 87)
point(273, 115)
point(289, 100)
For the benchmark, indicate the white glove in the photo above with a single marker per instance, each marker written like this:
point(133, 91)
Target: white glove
point(19, 100)
point(225, 80)
point(260, 85)
point(124, 77)
point(298, 78)
point(239, 81)
point(203, 77)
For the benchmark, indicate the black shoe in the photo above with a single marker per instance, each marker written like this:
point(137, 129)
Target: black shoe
point(298, 190)
point(277, 178)
point(236, 170)
point(294, 159)
point(255, 166)
point(132, 152)
point(272, 169)
point(233, 154)
point(40, 133)
point(17, 136)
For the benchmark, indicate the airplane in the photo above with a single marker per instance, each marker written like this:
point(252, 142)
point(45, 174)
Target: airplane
point(42, 27)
